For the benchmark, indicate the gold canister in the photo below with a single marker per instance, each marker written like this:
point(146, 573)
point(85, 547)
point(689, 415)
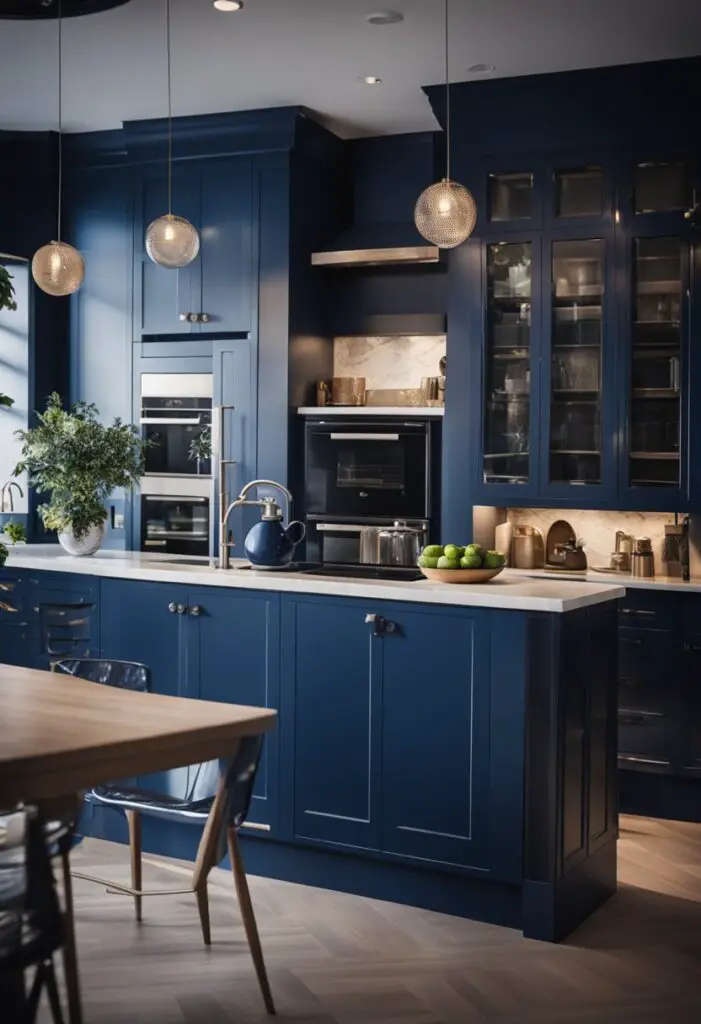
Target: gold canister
point(348, 391)
point(322, 392)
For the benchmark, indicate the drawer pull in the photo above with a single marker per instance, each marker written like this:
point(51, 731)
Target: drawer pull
point(691, 648)
point(629, 717)
point(642, 613)
point(255, 825)
point(631, 640)
point(7, 587)
point(4, 606)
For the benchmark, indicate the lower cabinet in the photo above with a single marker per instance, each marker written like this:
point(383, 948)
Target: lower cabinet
point(202, 643)
point(389, 707)
point(14, 618)
point(691, 722)
point(233, 650)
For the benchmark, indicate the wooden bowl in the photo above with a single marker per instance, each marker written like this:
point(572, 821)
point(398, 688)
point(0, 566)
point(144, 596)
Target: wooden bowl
point(461, 575)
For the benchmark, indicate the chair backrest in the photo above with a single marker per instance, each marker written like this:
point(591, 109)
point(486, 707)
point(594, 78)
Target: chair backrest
point(239, 775)
point(127, 675)
point(31, 926)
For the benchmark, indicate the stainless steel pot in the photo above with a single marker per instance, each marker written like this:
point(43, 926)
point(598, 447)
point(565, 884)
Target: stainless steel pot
point(370, 545)
point(400, 544)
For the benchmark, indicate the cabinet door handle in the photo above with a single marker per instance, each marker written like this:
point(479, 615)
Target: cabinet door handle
point(172, 607)
point(195, 610)
point(630, 640)
point(189, 318)
point(642, 613)
point(5, 607)
point(688, 648)
point(380, 625)
point(182, 609)
point(204, 318)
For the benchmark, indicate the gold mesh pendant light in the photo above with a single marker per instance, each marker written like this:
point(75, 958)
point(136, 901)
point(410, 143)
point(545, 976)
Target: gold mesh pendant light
point(58, 268)
point(171, 241)
point(446, 213)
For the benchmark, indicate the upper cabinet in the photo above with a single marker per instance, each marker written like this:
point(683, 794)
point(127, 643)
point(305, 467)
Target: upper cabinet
point(587, 307)
point(215, 293)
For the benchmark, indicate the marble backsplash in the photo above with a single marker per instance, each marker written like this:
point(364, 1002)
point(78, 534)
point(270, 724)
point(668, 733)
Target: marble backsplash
point(598, 529)
point(389, 362)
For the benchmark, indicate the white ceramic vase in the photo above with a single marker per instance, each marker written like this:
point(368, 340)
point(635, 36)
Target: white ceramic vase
point(88, 544)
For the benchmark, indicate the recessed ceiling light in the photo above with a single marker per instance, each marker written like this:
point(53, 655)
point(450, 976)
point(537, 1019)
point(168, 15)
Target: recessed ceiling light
point(480, 69)
point(370, 80)
point(384, 17)
point(228, 5)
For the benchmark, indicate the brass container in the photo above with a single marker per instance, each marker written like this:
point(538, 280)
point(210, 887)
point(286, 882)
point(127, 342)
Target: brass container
point(527, 548)
point(348, 391)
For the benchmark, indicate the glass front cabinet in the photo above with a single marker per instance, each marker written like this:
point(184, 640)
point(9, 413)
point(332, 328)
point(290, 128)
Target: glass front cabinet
point(587, 310)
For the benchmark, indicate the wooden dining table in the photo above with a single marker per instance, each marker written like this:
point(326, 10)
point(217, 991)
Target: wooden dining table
point(60, 735)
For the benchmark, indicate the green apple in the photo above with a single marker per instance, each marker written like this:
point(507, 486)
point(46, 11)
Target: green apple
point(426, 562)
point(471, 562)
point(448, 563)
point(452, 551)
point(432, 551)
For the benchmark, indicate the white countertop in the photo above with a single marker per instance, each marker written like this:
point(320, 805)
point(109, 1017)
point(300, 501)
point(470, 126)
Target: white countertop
point(371, 410)
point(513, 591)
point(667, 583)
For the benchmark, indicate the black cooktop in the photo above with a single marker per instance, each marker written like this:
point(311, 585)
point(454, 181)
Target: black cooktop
point(366, 572)
point(28, 10)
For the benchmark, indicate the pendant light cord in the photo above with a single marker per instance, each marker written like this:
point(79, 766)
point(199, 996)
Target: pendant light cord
point(60, 121)
point(447, 95)
point(170, 117)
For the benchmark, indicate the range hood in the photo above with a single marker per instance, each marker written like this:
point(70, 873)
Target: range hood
point(373, 245)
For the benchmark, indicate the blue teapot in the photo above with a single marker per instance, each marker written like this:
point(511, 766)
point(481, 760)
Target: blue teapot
point(268, 545)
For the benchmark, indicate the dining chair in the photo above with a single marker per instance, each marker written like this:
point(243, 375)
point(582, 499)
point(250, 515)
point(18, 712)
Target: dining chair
point(217, 797)
point(31, 924)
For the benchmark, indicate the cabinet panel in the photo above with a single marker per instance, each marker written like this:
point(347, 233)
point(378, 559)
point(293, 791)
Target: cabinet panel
point(331, 664)
point(161, 294)
point(646, 697)
point(227, 231)
point(435, 737)
point(233, 656)
point(137, 625)
point(691, 708)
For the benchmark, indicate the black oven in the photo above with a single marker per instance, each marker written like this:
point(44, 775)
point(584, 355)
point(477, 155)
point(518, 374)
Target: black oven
point(176, 421)
point(175, 524)
point(368, 468)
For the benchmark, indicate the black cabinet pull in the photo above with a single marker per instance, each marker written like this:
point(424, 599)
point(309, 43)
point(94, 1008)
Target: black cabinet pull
point(642, 613)
point(691, 648)
point(631, 640)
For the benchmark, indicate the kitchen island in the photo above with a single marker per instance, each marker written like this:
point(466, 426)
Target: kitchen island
point(451, 747)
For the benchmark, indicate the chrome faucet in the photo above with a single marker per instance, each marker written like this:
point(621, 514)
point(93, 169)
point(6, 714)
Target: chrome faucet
point(225, 542)
point(7, 489)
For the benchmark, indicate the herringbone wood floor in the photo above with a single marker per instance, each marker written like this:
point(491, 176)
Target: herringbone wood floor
point(337, 959)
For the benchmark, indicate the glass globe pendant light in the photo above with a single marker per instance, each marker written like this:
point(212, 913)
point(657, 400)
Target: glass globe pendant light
point(446, 212)
point(171, 241)
point(58, 268)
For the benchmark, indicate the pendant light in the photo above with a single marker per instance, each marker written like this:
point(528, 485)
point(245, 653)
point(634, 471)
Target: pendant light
point(446, 212)
point(58, 268)
point(171, 241)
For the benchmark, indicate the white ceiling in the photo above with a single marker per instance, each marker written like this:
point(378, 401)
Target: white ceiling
point(311, 52)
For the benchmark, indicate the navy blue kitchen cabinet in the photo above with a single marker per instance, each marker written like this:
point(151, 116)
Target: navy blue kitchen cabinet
point(233, 640)
point(331, 770)
point(161, 295)
point(391, 712)
point(587, 300)
point(63, 617)
point(214, 293)
point(205, 644)
point(14, 617)
point(435, 782)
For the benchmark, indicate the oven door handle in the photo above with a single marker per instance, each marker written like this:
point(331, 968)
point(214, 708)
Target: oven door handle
point(342, 528)
point(183, 499)
point(172, 421)
point(364, 437)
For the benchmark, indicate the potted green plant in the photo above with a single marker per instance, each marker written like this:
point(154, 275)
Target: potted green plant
point(77, 462)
